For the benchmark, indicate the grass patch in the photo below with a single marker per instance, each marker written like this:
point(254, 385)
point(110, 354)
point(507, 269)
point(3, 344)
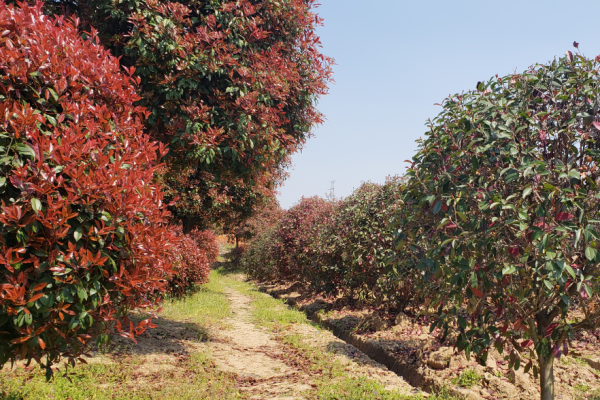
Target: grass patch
point(467, 379)
point(207, 306)
point(266, 310)
point(121, 374)
point(333, 383)
point(574, 361)
point(124, 378)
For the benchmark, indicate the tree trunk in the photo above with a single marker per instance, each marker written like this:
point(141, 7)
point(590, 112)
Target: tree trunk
point(547, 376)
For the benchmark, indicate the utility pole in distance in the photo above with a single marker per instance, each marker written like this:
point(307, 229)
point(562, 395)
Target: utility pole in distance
point(331, 194)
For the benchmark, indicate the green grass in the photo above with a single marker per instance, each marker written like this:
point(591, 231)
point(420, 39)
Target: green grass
point(207, 306)
point(120, 378)
point(267, 311)
point(121, 374)
point(468, 378)
point(194, 378)
point(334, 383)
point(574, 361)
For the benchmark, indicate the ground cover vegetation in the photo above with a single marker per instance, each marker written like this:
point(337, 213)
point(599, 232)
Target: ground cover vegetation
point(168, 364)
point(493, 233)
point(126, 131)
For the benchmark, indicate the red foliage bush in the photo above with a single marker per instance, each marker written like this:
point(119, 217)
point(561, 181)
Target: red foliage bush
point(207, 243)
point(232, 86)
point(190, 262)
point(337, 246)
point(83, 238)
point(294, 237)
point(237, 252)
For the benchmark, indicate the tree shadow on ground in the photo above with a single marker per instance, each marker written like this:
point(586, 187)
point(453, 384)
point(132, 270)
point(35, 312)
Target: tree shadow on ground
point(168, 337)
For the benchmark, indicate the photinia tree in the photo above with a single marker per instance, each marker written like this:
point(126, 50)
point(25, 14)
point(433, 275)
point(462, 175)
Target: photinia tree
point(191, 262)
point(296, 235)
point(231, 85)
point(506, 188)
point(83, 235)
point(358, 242)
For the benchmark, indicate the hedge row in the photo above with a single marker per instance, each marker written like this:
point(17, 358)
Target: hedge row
point(191, 256)
point(340, 246)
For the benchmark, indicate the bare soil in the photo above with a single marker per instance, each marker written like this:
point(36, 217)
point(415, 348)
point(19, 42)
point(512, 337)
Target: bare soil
point(425, 360)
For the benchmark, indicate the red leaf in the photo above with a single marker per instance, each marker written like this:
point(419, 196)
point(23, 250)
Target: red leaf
point(477, 292)
point(596, 125)
point(42, 343)
point(34, 298)
point(514, 251)
point(526, 343)
point(569, 56)
point(561, 216)
point(39, 286)
point(550, 329)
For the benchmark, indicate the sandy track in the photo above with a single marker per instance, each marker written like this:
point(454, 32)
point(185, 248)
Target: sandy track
point(264, 365)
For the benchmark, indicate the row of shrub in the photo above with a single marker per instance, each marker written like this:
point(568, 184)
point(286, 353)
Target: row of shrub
point(336, 246)
point(494, 232)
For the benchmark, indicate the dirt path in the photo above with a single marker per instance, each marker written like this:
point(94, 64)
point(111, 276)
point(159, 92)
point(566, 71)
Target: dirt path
point(253, 355)
point(266, 366)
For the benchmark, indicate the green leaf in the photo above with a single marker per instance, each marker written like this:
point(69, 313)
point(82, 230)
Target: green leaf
point(574, 174)
point(537, 233)
point(590, 253)
point(74, 322)
point(78, 233)
point(527, 191)
point(587, 290)
point(570, 270)
point(36, 204)
point(437, 207)
point(25, 150)
point(509, 270)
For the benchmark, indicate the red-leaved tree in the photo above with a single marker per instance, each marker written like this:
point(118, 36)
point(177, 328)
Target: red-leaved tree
point(231, 86)
point(190, 262)
point(83, 234)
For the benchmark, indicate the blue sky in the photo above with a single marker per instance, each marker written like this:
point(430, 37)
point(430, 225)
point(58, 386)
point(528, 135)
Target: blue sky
point(395, 59)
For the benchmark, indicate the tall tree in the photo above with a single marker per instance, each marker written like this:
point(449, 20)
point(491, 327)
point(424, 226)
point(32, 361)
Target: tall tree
point(232, 85)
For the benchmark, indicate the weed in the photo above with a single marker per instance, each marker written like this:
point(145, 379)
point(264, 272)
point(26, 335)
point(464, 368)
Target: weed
point(467, 379)
point(582, 387)
point(574, 361)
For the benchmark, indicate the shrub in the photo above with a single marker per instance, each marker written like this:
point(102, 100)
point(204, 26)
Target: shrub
point(191, 262)
point(358, 243)
point(207, 243)
point(82, 239)
point(257, 259)
point(294, 237)
point(337, 246)
point(507, 184)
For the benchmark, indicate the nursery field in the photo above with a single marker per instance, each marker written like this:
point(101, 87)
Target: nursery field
point(425, 359)
point(142, 139)
point(228, 341)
